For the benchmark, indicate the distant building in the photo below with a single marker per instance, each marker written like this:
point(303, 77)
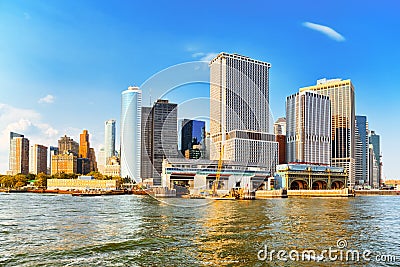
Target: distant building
point(64, 163)
point(308, 122)
point(67, 144)
point(113, 167)
point(131, 108)
point(341, 95)
point(38, 159)
point(205, 149)
point(373, 168)
point(192, 134)
point(161, 138)
point(83, 166)
point(86, 152)
point(146, 168)
point(374, 139)
point(101, 162)
point(109, 140)
point(361, 151)
point(194, 152)
point(92, 158)
point(19, 154)
point(239, 111)
point(53, 152)
point(84, 145)
point(281, 139)
point(280, 126)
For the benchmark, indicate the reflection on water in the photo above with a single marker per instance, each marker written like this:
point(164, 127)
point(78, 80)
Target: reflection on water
point(60, 230)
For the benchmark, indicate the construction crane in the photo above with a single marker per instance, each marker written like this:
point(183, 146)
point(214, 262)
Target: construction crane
point(219, 169)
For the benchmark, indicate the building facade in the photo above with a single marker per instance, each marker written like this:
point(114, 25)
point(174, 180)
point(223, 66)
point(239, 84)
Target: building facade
point(67, 144)
point(19, 154)
point(341, 95)
point(64, 163)
point(361, 151)
point(161, 138)
point(131, 109)
point(280, 126)
point(109, 141)
point(310, 177)
point(83, 183)
point(38, 159)
point(308, 128)
point(375, 141)
point(239, 111)
point(192, 134)
point(147, 143)
point(373, 168)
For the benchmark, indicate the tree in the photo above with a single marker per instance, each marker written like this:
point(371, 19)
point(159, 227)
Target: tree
point(97, 175)
point(41, 180)
point(20, 180)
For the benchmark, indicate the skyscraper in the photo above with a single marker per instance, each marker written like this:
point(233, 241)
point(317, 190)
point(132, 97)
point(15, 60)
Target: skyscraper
point(341, 95)
point(131, 108)
point(67, 144)
point(109, 141)
point(101, 162)
point(361, 151)
point(373, 168)
point(239, 111)
point(66, 160)
point(160, 138)
point(19, 154)
point(308, 122)
point(84, 145)
point(374, 139)
point(192, 133)
point(38, 159)
point(146, 167)
point(87, 158)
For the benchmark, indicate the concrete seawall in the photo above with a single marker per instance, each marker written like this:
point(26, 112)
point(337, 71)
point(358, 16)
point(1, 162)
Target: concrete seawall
point(320, 193)
point(377, 193)
point(262, 194)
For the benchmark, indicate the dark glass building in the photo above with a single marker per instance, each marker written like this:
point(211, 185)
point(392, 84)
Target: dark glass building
point(193, 133)
point(159, 138)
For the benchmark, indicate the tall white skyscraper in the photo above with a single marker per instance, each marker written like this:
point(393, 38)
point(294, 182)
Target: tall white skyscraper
point(239, 110)
point(308, 122)
point(131, 108)
point(109, 141)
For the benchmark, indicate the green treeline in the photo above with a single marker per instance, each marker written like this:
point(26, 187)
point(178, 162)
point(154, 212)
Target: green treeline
point(40, 180)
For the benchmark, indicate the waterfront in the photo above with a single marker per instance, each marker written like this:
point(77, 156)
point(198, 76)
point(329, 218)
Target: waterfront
point(127, 230)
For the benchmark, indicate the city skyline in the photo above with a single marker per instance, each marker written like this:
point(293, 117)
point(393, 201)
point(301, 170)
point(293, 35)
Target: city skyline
point(50, 93)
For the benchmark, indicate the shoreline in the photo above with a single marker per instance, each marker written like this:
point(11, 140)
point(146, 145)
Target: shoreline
point(126, 192)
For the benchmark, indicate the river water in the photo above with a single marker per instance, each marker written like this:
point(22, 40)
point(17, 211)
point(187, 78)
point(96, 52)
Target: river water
point(62, 230)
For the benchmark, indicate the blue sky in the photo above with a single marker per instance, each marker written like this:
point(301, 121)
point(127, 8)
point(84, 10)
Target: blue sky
point(77, 56)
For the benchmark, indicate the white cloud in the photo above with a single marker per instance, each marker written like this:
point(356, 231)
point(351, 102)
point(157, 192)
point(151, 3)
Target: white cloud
point(47, 99)
point(204, 56)
point(24, 121)
point(331, 33)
